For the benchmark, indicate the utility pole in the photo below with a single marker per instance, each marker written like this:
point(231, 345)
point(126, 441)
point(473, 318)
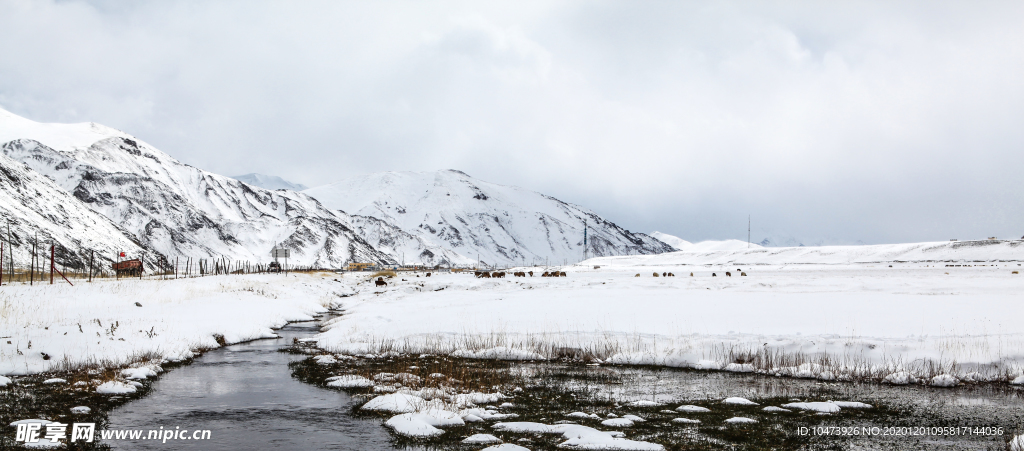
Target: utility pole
point(32, 270)
point(10, 251)
point(584, 238)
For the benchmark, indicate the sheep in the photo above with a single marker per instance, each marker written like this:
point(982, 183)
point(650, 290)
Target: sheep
point(637, 275)
point(561, 274)
point(714, 275)
point(380, 282)
point(671, 275)
point(743, 274)
point(428, 274)
point(530, 273)
point(655, 274)
point(728, 274)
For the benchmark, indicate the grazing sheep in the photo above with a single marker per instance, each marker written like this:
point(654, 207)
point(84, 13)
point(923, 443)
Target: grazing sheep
point(561, 274)
point(637, 275)
point(671, 275)
point(714, 275)
point(743, 274)
point(530, 273)
point(728, 274)
point(545, 274)
point(655, 274)
point(380, 282)
point(485, 275)
point(691, 274)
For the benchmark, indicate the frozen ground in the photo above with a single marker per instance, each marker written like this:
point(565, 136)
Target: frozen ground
point(52, 327)
point(914, 321)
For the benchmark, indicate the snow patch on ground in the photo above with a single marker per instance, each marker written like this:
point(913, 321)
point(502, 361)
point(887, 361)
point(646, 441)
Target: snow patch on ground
point(115, 388)
point(349, 381)
point(481, 439)
point(821, 407)
point(395, 403)
point(424, 423)
point(739, 401)
point(579, 437)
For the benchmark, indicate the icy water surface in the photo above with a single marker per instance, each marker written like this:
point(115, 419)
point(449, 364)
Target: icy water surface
point(245, 395)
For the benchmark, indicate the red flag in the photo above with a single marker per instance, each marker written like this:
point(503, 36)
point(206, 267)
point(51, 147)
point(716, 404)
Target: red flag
point(122, 254)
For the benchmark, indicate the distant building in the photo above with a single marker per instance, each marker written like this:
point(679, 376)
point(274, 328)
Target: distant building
point(359, 267)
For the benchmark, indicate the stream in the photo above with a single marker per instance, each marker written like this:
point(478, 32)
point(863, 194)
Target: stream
point(245, 395)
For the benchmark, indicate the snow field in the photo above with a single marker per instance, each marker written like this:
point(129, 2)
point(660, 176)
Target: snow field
point(61, 327)
point(915, 323)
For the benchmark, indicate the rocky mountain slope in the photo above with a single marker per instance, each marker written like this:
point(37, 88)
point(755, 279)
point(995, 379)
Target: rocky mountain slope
point(36, 209)
point(502, 225)
point(176, 209)
point(271, 182)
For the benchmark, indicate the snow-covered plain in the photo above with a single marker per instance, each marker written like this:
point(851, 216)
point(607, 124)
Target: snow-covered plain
point(99, 323)
point(831, 321)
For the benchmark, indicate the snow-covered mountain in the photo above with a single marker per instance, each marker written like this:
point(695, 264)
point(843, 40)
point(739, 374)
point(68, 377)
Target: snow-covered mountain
point(177, 209)
point(36, 209)
point(704, 246)
point(501, 224)
point(944, 252)
point(671, 240)
point(271, 182)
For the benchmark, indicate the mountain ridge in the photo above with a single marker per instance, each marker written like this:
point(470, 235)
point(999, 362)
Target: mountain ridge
point(482, 221)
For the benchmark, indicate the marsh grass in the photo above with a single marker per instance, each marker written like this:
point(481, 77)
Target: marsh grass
point(852, 365)
point(551, 390)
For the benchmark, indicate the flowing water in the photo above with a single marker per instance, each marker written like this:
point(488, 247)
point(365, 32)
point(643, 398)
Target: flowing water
point(245, 395)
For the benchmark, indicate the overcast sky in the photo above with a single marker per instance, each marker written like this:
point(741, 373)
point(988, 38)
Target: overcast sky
point(834, 122)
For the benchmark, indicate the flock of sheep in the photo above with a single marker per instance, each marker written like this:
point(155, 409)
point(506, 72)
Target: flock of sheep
point(668, 274)
point(501, 274)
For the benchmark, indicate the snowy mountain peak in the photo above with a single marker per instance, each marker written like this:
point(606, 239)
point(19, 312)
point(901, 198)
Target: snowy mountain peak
point(494, 223)
point(671, 240)
point(271, 182)
point(62, 137)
